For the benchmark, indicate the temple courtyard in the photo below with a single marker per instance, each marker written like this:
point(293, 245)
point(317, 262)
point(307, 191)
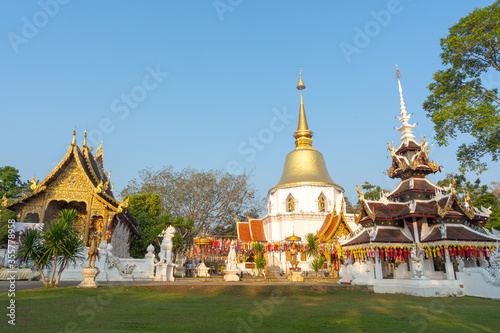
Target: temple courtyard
point(189, 305)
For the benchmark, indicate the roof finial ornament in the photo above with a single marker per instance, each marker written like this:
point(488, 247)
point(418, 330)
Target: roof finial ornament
point(73, 142)
point(303, 134)
point(84, 144)
point(406, 128)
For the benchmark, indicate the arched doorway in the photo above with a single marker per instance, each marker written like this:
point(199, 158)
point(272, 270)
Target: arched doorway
point(55, 206)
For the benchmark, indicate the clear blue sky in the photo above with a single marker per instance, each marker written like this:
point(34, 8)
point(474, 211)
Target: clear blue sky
point(232, 65)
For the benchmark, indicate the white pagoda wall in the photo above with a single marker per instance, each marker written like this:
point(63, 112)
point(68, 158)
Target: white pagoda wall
point(306, 217)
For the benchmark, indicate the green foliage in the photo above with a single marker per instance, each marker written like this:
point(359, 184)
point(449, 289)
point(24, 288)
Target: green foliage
point(210, 198)
point(147, 210)
point(11, 184)
point(372, 192)
point(5, 216)
point(317, 264)
point(480, 195)
point(260, 264)
point(57, 245)
point(460, 100)
point(312, 245)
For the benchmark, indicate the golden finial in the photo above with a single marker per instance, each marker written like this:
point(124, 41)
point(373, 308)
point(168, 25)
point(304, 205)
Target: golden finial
point(248, 216)
point(398, 73)
point(301, 85)
point(84, 144)
point(303, 135)
point(73, 142)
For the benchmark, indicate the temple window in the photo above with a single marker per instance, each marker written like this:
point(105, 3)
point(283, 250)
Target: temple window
point(322, 203)
point(290, 203)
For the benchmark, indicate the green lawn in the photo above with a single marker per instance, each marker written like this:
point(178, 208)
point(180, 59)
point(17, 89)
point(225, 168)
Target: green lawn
point(229, 308)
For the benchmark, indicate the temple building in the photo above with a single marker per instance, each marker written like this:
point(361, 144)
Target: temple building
point(420, 216)
point(305, 199)
point(79, 182)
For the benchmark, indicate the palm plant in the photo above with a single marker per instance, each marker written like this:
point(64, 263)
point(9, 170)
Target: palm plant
point(317, 264)
point(260, 262)
point(56, 246)
point(312, 245)
point(31, 248)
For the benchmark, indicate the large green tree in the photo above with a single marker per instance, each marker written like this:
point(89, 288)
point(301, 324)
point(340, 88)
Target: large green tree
point(147, 210)
point(10, 183)
point(209, 198)
point(462, 98)
point(11, 187)
point(480, 195)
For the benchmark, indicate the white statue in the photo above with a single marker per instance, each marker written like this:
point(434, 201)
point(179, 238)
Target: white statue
point(165, 267)
point(232, 259)
point(417, 258)
point(231, 271)
point(442, 228)
point(166, 245)
point(372, 233)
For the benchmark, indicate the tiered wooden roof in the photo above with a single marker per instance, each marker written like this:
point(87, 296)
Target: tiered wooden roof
point(399, 215)
point(252, 230)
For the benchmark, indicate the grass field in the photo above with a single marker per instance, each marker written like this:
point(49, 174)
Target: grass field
point(227, 308)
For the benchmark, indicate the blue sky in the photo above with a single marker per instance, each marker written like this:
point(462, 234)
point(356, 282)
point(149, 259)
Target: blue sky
point(211, 84)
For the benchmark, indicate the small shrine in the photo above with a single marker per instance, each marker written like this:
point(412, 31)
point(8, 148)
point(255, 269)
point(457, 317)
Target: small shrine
point(80, 182)
point(419, 231)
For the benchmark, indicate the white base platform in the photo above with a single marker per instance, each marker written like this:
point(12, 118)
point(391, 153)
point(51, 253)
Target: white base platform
point(417, 287)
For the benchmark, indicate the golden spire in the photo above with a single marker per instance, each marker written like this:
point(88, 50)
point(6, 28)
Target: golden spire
point(303, 135)
point(84, 144)
point(73, 142)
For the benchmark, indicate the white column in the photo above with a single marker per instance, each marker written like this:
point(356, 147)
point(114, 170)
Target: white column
point(378, 267)
point(450, 271)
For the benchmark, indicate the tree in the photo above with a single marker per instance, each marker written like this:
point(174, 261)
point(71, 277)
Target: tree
point(11, 186)
point(460, 99)
point(147, 210)
point(480, 195)
point(372, 192)
point(57, 245)
point(317, 264)
point(495, 189)
point(209, 198)
point(312, 245)
point(10, 183)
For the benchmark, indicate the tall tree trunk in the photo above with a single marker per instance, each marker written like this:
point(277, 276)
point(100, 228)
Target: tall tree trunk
point(61, 269)
point(39, 269)
point(53, 271)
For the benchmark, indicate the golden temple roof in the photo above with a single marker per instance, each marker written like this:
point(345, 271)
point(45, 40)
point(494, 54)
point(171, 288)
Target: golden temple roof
point(304, 165)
